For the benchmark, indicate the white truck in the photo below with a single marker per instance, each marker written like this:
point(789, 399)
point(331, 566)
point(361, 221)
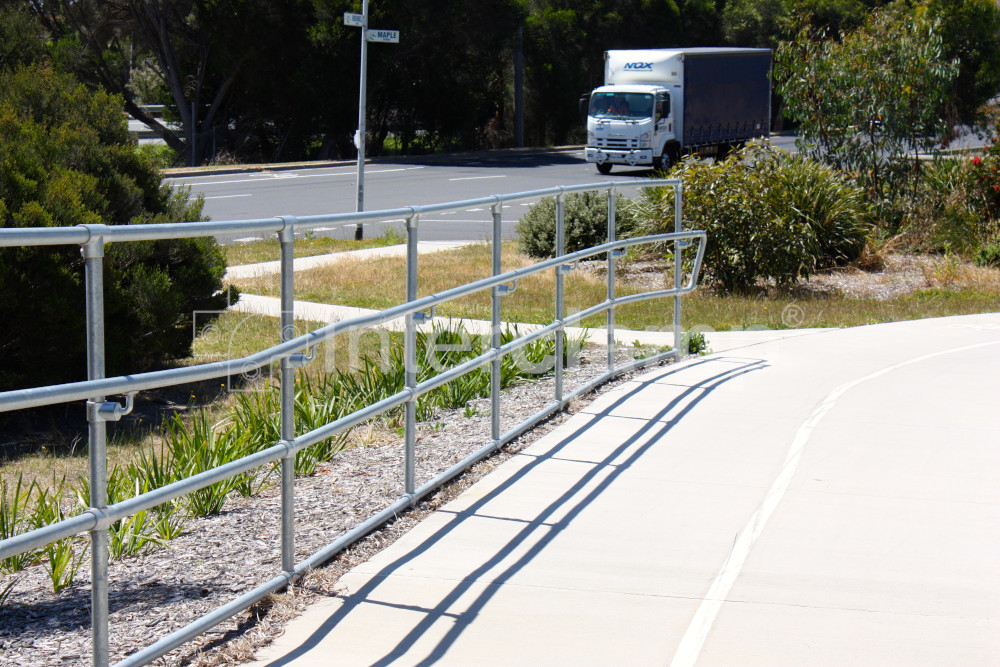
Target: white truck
point(657, 104)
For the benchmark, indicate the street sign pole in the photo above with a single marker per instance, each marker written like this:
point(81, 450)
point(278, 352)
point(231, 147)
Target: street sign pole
point(385, 36)
point(360, 139)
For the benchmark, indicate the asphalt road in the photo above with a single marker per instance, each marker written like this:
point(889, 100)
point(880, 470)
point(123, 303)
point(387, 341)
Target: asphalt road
point(392, 183)
point(396, 183)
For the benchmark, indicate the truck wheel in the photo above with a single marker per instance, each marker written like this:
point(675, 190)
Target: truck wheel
point(604, 168)
point(670, 156)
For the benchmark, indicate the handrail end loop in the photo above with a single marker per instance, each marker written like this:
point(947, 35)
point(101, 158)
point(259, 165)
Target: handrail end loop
point(110, 411)
point(287, 232)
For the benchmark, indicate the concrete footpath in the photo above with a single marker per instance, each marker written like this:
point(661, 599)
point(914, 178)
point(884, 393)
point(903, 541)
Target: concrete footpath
point(825, 499)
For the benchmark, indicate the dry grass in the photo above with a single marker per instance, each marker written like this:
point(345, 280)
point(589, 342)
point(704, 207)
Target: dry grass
point(268, 250)
point(907, 287)
point(380, 283)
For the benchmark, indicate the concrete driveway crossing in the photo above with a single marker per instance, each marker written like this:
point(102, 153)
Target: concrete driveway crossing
point(824, 499)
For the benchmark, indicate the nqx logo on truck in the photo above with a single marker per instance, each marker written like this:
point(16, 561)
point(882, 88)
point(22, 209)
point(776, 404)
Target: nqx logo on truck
point(639, 66)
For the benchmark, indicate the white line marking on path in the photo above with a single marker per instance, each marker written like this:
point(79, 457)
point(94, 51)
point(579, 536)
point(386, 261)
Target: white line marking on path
point(224, 196)
point(477, 178)
point(693, 640)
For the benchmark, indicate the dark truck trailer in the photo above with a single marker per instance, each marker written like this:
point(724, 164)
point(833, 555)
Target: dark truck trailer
point(659, 103)
point(727, 97)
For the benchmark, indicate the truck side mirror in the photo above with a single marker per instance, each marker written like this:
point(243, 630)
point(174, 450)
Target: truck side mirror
point(664, 108)
point(584, 106)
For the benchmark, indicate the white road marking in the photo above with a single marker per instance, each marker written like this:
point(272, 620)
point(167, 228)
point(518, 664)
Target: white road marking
point(694, 638)
point(454, 220)
point(477, 178)
point(221, 196)
point(259, 178)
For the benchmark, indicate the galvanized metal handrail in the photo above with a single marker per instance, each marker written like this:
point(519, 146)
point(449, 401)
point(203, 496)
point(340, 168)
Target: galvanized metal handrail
point(21, 399)
point(100, 516)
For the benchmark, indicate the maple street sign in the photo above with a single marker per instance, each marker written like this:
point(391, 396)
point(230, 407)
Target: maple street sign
point(386, 36)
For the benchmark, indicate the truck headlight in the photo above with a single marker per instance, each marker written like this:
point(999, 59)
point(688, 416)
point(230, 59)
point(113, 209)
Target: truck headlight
point(590, 139)
point(644, 140)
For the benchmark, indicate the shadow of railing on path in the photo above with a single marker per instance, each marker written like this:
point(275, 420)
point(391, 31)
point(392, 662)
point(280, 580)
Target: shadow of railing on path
point(654, 428)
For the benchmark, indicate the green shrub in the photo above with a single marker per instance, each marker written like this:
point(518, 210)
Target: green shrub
point(985, 179)
point(586, 224)
point(835, 211)
point(66, 158)
point(15, 518)
point(768, 215)
point(988, 255)
point(160, 155)
point(953, 208)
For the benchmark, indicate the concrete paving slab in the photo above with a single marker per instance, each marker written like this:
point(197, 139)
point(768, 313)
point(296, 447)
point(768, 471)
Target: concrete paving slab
point(466, 629)
point(778, 636)
point(823, 499)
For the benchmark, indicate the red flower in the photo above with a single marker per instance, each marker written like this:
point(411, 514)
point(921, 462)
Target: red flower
point(977, 161)
point(996, 188)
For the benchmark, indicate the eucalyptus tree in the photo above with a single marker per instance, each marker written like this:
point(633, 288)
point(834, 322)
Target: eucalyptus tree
point(871, 101)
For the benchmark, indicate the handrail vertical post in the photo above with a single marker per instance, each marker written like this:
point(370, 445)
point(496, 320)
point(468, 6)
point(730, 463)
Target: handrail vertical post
point(286, 237)
point(93, 253)
point(410, 361)
point(495, 328)
point(612, 214)
point(560, 294)
point(678, 271)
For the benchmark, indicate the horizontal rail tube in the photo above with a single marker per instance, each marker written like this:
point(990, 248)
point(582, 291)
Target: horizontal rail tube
point(38, 538)
point(205, 623)
point(353, 419)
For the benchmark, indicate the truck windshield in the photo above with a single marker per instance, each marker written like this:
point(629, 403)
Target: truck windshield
point(621, 105)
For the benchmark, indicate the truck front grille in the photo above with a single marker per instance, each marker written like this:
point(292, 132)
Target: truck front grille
point(617, 144)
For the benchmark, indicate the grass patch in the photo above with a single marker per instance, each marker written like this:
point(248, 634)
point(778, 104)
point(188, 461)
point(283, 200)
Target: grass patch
point(270, 250)
point(729, 313)
point(380, 283)
point(234, 335)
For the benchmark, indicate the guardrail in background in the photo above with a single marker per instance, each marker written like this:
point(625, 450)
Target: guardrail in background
point(293, 353)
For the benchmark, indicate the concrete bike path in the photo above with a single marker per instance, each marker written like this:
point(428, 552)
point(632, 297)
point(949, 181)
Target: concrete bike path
point(829, 499)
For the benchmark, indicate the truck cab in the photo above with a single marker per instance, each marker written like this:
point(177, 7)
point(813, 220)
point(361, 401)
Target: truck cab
point(629, 125)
